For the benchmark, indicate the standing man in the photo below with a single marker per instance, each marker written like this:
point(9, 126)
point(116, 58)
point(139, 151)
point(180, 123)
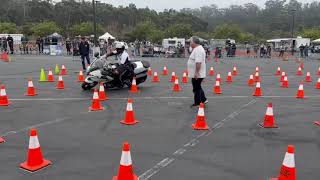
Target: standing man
point(84, 49)
point(10, 43)
point(197, 71)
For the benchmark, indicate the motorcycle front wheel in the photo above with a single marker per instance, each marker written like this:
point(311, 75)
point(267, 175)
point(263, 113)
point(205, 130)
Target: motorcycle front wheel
point(87, 86)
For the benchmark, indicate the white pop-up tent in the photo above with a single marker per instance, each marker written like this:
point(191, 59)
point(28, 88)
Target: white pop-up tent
point(106, 36)
point(316, 41)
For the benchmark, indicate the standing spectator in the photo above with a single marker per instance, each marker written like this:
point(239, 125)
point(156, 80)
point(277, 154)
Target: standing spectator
point(84, 49)
point(234, 50)
point(38, 42)
point(10, 43)
point(68, 46)
point(269, 49)
point(256, 49)
point(24, 41)
point(248, 50)
point(282, 49)
point(306, 50)
point(197, 70)
point(4, 44)
point(301, 48)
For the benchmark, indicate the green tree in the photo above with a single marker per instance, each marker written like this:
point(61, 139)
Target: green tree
point(179, 30)
point(312, 33)
point(85, 29)
point(227, 31)
point(45, 28)
point(143, 31)
point(9, 28)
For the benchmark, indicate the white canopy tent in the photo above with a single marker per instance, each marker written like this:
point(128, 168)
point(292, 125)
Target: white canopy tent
point(316, 41)
point(106, 36)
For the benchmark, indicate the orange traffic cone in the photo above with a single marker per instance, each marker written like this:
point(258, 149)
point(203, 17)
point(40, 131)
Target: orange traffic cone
point(165, 71)
point(102, 93)
point(5, 57)
point(50, 76)
point(4, 100)
point(176, 87)
point(285, 83)
point(229, 78)
point(201, 120)
point(60, 84)
point(278, 73)
point(234, 71)
point(269, 118)
point(217, 89)
point(184, 78)
point(258, 91)
point(63, 70)
point(251, 81)
point(173, 77)
point(283, 74)
point(96, 105)
point(300, 93)
point(155, 77)
point(299, 73)
point(211, 73)
point(126, 168)
point(319, 71)
point(218, 78)
point(2, 140)
point(31, 90)
point(308, 77)
point(80, 76)
point(134, 87)
point(302, 65)
point(35, 160)
point(317, 123)
point(257, 69)
point(150, 71)
point(288, 169)
point(257, 77)
point(318, 84)
point(129, 117)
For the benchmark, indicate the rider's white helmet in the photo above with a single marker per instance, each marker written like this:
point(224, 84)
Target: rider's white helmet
point(120, 45)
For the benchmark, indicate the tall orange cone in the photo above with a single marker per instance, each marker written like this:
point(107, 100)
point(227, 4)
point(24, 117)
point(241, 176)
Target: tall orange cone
point(217, 89)
point(211, 73)
point(257, 77)
point(35, 160)
point(184, 78)
point(308, 77)
point(155, 77)
point(300, 93)
point(234, 71)
point(218, 78)
point(200, 120)
point(126, 168)
point(229, 78)
point(150, 71)
point(60, 84)
point(129, 117)
point(102, 93)
point(278, 73)
point(318, 84)
point(173, 77)
point(50, 76)
point(63, 70)
point(299, 73)
point(96, 105)
point(176, 87)
point(80, 76)
point(283, 74)
point(251, 81)
point(31, 91)
point(269, 118)
point(165, 71)
point(5, 57)
point(258, 91)
point(288, 168)
point(4, 100)
point(285, 83)
point(134, 87)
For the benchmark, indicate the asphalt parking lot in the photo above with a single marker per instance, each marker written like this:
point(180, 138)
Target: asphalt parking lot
point(86, 145)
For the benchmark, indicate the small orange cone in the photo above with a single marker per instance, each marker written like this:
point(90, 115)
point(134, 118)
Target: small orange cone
point(173, 77)
point(299, 73)
point(257, 69)
point(150, 71)
point(96, 105)
point(5, 57)
point(80, 76)
point(35, 160)
point(234, 71)
point(218, 78)
point(126, 168)
point(184, 78)
point(278, 73)
point(134, 87)
point(50, 76)
point(285, 83)
point(300, 94)
point(176, 87)
point(211, 73)
point(283, 74)
point(257, 77)
point(102, 93)
point(318, 84)
point(229, 78)
point(251, 81)
point(269, 118)
point(31, 90)
point(288, 169)
point(155, 78)
point(317, 123)
point(129, 117)
point(308, 77)
point(165, 71)
point(60, 84)
point(217, 89)
point(4, 100)
point(63, 70)
point(319, 71)
point(258, 91)
point(2, 140)
point(201, 120)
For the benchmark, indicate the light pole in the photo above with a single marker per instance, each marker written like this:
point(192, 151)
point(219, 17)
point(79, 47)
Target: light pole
point(293, 12)
point(94, 22)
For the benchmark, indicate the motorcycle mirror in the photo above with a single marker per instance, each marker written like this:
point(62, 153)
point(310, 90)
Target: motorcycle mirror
point(96, 54)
